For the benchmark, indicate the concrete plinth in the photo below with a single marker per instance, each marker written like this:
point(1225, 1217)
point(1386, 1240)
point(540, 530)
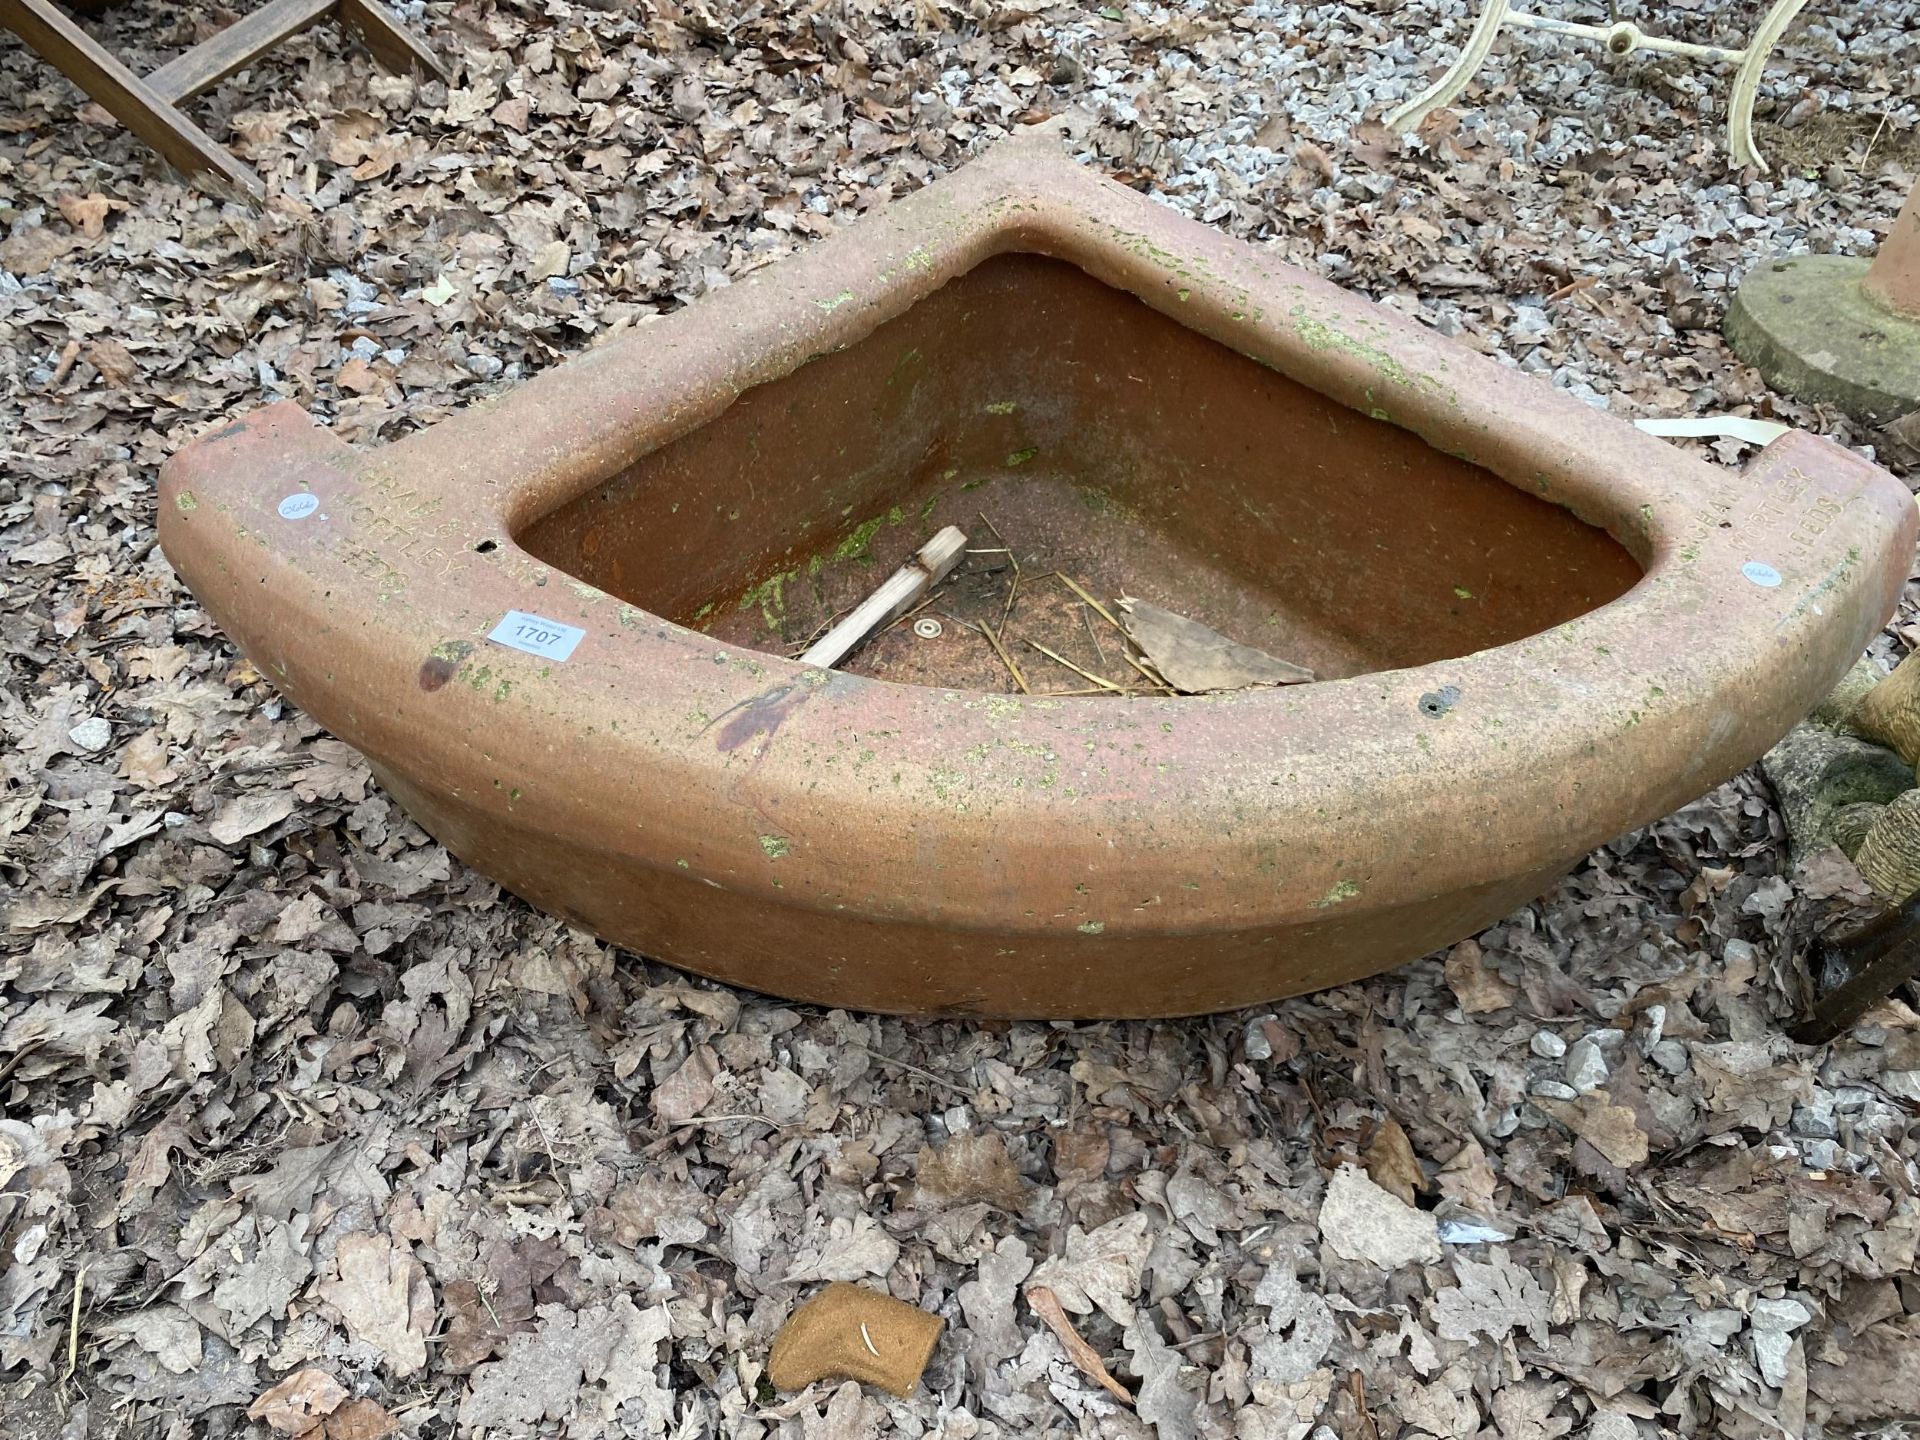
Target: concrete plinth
point(1836, 329)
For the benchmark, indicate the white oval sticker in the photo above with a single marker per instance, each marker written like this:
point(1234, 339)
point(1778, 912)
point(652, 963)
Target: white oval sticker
point(1761, 574)
point(537, 635)
point(299, 506)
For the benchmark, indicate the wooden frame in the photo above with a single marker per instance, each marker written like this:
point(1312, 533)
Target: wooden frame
point(149, 105)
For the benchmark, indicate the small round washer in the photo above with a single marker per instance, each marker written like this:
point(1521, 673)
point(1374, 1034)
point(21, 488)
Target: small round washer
point(928, 628)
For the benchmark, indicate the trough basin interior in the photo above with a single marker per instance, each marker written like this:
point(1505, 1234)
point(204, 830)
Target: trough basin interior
point(1091, 435)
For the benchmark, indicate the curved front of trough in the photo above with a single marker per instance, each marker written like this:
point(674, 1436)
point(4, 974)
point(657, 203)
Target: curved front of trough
point(837, 838)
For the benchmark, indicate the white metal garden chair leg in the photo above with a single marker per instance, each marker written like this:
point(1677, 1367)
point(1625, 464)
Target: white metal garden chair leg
point(1448, 87)
point(1622, 37)
point(1746, 81)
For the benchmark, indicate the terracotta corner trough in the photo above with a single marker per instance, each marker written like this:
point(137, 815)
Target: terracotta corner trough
point(1536, 627)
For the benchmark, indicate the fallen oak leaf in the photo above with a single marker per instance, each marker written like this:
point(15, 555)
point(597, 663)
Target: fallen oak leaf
point(973, 1165)
point(1044, 1303)
point(383, 1298)
point(1167, 1402)
point(249, 814)
point(113, 360)
point(88, 213)
point(1474, 982)
point(1101, 1269)
point(1360, 1221)
point(358, 376)
point(1611, 1129)
point(1492, 1299)
point(1391, 1163)
point(685, 1093)
point(361, 1419)
point(300, 1403)
point(1373, 144)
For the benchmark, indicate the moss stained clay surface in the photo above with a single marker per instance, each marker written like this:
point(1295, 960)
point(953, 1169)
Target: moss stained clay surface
point(770, 596)
point(857, 544)
point(1319, 335)
point(1341, 892)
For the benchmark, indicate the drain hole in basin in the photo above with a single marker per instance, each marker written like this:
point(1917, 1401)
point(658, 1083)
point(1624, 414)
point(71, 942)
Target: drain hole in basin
point(1105, 442)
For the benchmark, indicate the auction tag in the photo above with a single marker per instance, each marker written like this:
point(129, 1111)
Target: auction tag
point(536, 635)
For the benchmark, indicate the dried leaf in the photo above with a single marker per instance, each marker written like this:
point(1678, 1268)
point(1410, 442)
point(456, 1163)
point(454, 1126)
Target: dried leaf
point(300, 1403)
point(249, 814)
point(1474, 982)
point(853, 1249)
point(1363, 1222)
point(1196, 659)
point(113, 360)
point(1391, 1164)
point(1297, 1333)
point(88, 213)
point(1611, 1129)
point(687, 1092)
point(973, 1165)
point(165, 1332)
point(1165, 1401)
point(266, 1285)
point(1492, 1299)
point(1046, 1305)
point(987, 1300)
point(382, 1295)
point(1100, 1270)
point(361, 1419)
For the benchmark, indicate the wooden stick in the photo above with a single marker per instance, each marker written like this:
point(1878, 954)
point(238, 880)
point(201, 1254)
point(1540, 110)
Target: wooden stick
point(1005, 658)
point(1106, 615)
point(1013, 590)
point(954, 1086)
point(73, 1325)
point(1152, 679)
point(1098, 648)
point(926, 569)
point(1083, 674)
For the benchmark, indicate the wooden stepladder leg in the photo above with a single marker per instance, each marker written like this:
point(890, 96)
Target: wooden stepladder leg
point(128, 98)
point(396, 48)
point(235, 47)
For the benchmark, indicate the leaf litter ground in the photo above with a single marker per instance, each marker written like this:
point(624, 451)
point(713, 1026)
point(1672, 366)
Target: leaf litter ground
point(327, 1136)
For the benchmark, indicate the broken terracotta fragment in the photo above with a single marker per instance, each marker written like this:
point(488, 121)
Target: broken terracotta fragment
point(1533, 627)
point(853, 1333)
